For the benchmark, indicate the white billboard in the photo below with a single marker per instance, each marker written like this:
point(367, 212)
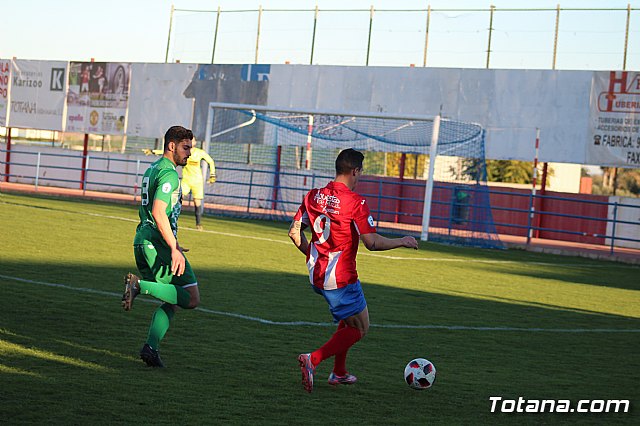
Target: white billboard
point(38, 91)
point(97, 97)
point(5, 75)
point(509, 104)
point(157, 99)
point(584, 117)
point(614, 121)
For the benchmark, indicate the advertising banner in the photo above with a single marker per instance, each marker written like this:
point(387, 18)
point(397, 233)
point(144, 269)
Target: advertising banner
point(157, 99)
point(97, 97)
point(5, 73)
point(37, 94)
point(614, 121)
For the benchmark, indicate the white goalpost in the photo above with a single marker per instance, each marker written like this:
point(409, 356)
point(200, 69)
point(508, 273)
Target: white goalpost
point(428, 191)
point(350, 117)
point(263, 147)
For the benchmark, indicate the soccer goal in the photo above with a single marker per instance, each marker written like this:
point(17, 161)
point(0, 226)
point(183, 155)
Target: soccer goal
point(422, 174)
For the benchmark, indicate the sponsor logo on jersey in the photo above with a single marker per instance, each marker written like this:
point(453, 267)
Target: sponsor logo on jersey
point(327, 200)
point(166, 188)
point(370, 219)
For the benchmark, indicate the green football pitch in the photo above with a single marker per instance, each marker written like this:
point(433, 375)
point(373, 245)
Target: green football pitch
point(495, 323)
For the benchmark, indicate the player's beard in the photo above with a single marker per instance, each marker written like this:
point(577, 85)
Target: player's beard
point(180, 161)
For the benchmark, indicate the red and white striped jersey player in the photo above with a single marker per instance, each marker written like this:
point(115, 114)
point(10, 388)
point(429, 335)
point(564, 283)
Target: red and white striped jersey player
point(338, 218)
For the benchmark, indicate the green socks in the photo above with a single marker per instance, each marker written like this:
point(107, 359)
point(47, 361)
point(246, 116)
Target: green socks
point(169, 293)
point(159, 325)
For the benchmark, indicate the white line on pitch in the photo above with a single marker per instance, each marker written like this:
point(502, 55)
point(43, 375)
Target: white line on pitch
point(327, 324)
point(382, 256)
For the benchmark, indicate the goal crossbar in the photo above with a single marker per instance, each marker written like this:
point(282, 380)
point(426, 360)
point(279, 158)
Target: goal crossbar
point(343, 113)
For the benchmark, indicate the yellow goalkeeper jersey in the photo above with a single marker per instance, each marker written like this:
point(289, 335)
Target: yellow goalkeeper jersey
point(192, 171)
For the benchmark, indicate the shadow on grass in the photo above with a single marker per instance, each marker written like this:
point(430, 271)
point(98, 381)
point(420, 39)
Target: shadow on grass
point(604, 274)
point(231, 370)
point(287, 297)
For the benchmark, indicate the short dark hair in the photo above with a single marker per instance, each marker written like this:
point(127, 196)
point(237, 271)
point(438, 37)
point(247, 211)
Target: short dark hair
point(176, 134)
point(348, 160)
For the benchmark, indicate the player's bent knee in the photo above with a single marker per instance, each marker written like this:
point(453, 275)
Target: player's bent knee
point(194, 297)
point(194, 302)
point(358, 323)
point(363, 324)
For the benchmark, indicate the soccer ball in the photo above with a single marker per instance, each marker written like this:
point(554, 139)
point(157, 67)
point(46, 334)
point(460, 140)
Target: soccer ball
point(420, 374)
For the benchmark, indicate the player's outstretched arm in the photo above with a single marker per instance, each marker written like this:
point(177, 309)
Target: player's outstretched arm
point(376, 242)
point(298, 237)
point(212, 164)
point(212, 167)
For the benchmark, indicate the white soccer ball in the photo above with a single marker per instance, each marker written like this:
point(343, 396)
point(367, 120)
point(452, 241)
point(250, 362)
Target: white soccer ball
point(420, 374)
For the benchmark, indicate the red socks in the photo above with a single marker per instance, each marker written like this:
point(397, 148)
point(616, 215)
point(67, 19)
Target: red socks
point(340, 360)
point(337, 345)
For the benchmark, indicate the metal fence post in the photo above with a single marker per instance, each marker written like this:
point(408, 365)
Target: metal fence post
point(258, 32)
point(426, 37)
point(7, 156)
point(250, 190)
point(530, 217)
point(166, 56)
point(555, 39)
point(313, 36)
point(215, 36)
point(490, 31)
point(37, 170)
point(135, 186)
point(85, 174)
point(276, 178)
point(369, 39)
point(532, 207)
point(626, 37)
point(379, 202)
point(85, 156)
point(613, 228)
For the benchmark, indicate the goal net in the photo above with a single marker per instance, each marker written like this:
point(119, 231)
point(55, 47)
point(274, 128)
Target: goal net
point(267, 159)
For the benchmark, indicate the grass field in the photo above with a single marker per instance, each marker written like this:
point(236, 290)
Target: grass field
point(495, 323)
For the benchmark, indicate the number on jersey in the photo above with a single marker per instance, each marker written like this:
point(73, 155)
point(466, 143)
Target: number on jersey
point(144, 196)
point(323, 233)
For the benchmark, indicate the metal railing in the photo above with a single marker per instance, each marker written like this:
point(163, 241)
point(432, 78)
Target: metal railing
point(39, 169)
point(101, 173)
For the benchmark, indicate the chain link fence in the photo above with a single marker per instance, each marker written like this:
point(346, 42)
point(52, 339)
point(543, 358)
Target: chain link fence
point(490, 37)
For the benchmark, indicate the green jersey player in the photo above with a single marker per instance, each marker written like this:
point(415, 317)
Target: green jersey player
point(165, 272)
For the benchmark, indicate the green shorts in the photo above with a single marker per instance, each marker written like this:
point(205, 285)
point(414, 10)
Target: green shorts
point(154, 264)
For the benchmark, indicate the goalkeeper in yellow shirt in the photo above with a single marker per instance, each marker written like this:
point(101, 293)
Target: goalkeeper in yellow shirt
point(192, 180)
